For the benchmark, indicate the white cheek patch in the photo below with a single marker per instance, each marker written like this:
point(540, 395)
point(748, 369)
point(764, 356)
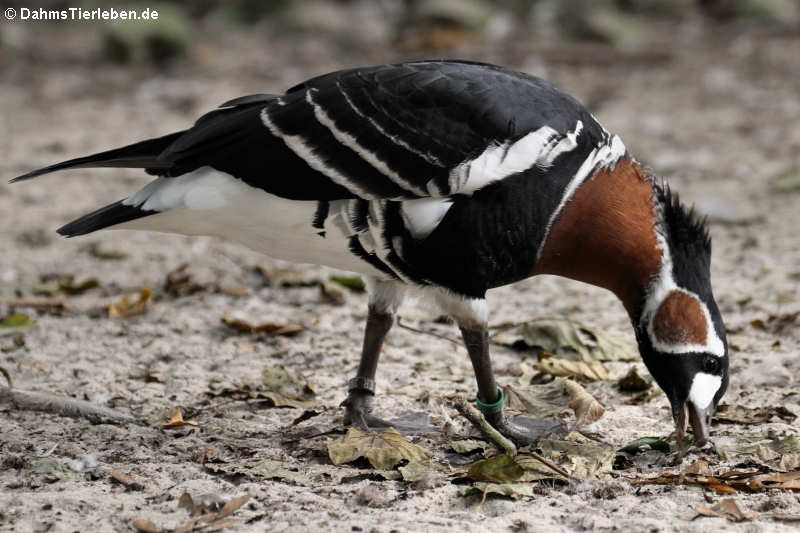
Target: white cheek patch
point(658, 292)
point(704, 388)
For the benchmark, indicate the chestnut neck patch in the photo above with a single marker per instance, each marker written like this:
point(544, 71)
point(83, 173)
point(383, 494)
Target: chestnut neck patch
point(606, 235)
point(680, 320)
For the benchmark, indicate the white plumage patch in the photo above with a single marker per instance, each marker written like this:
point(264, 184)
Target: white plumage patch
point(704, 388)
point(422, 216)
point(496, 162)
point(198, 189)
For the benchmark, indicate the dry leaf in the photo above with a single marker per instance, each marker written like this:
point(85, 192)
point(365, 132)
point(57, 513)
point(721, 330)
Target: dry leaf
point(569, 340)
point(591, 371)
point(581, 458)
point(214, 521)
point(498, 469)
point(737, 414)
point(310, 475)
point(383, 450)
point(587, 409)
point(96, 250)
point(546, 400)
point(726, 509)
point(429, 472)
point(233, 505)
point(332, 293)
point(267, 327)
point(512, 490)
point(633, 382)
point(729, 482)
point(178, 282)
point(145, 526)
point(68, 285)
point(177, 421)
point(698, 467)
point(127, 307)
point(124, 479)
point(48, 305)
point(234, 290)
point(285, 389)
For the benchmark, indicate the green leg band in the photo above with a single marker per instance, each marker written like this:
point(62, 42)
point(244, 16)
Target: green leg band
point(491, 408)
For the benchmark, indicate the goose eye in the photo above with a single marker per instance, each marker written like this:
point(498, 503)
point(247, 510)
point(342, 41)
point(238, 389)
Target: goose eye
point(711, 364)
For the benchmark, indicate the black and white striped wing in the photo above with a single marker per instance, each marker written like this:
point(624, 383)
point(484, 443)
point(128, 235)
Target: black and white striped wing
point(394, 132)
point(390, 166)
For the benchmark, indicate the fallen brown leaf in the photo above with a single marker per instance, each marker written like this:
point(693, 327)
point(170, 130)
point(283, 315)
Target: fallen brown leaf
point(589, 371)
point(178, 282)
point(728, 482)
point(234, 290)
point(698, 467)
point(726, 509)
point(213, 521)
point(50, 305)
point(498, 469)
point(383, 450)
point(266, 327)
point(127, 307)
point(97, 251)
point(177, 421)
point(587, 409)
point(124, 479)
point(145, 526)
point(737, 414)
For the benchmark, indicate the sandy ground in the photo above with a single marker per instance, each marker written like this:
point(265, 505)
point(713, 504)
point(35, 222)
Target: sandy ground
point(719, 119)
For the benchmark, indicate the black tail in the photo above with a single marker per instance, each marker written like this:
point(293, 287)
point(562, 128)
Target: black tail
point(110, 215)
point(144, 154)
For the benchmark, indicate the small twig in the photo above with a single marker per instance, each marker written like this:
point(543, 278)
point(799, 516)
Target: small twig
point(7, 374)
point(52, 304)
point(63, 406)
point(196, 410)
point(431, 333)
point(48, 452)
point(552, 466)
point(480, 422)
point(335, 431)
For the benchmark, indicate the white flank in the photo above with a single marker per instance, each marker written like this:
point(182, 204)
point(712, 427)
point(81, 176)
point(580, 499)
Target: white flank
point(604, 156)
point(297, 144)
point(704, 387)
point(213, 203)
point(398, 141)
point(351, 142)
point(385, 296)
point(472, 313)
point(198, 189)
point(496, 162)
point(423, 215)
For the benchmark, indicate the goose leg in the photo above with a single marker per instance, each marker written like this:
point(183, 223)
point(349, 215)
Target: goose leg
point(523, 431)
point(471, 316)
point(361, 389)
point(385, 298)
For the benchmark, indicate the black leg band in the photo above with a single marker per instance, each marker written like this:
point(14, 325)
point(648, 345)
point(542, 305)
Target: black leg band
point(361, 384)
